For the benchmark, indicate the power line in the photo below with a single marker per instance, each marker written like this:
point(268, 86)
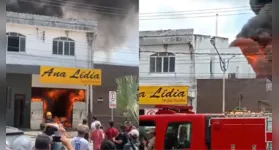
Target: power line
point(193, 13)
point(66, 58)
point(105, 10)
point(77, 7)
point(175, 74)
point(189, 17)
point(202, 10)
point(136, 54)
point(50, 40)
point(196, 53)
point(89, 5)
point(124, 49)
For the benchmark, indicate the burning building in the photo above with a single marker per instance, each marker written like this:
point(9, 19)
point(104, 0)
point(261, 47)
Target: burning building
point(35, 28)
point(255, 38)
point(59, 102)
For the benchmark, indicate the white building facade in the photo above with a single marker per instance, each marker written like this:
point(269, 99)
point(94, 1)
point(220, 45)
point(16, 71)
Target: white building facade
point(34, 41)
point(180, 57)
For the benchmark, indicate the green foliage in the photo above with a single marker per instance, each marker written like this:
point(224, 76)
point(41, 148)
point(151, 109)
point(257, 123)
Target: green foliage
point(127, 89)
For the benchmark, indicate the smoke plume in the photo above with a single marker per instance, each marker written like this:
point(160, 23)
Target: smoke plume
point(256, 37)
point(116, 18)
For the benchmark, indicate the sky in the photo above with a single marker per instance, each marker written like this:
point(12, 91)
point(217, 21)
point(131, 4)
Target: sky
point(197, 14)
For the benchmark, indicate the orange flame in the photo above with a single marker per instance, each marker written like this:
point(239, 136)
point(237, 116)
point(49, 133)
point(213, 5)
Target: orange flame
point(256, 55)
point(54, 94)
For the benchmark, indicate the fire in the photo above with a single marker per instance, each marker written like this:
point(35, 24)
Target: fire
point(49, 97)
point(256, 55)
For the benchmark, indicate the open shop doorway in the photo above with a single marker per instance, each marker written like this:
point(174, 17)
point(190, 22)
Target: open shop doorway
point(60, 102)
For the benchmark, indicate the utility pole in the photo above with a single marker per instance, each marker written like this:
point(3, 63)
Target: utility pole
point(216, 26)
point(224, 65)
point(91, 38)
point(240, 100)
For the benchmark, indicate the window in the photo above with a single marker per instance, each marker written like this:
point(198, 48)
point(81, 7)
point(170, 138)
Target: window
point(269, 146)
point(146, 127)
point(178, 136)
point(63, 46)
point(269, 124)
point(141, 112)
point(162, 62)
point(15, 42)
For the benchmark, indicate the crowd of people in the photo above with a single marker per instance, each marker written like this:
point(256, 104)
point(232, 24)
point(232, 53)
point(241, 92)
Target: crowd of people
point(53, 136)
point(124, 138)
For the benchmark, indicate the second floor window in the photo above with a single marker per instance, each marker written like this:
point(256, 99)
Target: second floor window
point(63, 46)
point(162, 62)
point(15, 42)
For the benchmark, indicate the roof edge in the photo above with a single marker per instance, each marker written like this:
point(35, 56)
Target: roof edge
point(49, 21)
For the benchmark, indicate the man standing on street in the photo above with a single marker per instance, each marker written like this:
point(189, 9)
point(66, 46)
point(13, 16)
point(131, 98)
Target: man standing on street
point(44, 142)
point(111, 132)
point(121, 139)
point(84, 123)
point(93, 126)
point(128, 126)
point(79, 142)
point(97, 136)
point(49, 118)
point(133, 144)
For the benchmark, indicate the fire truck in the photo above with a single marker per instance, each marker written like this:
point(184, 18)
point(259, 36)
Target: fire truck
point(177, 127)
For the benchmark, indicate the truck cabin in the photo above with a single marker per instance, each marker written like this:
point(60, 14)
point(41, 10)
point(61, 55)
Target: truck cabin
point(188, 130)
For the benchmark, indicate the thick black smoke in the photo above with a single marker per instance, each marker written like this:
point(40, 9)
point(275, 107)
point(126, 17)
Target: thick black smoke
point(259, 30)
point(260, 26)
point(116, 18)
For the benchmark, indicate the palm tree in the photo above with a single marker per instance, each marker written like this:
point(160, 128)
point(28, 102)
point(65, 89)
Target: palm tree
point(127, 104)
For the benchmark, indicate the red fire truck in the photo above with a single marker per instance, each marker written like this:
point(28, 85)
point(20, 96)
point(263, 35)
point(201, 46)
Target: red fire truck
point(177, 127)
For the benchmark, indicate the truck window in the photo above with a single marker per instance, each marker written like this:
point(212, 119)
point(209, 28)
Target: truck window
point(178, 135)
point(146, 134)
point(269, 146)
point(269, 124)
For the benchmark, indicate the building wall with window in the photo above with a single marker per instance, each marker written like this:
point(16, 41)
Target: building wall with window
point(180, 57)
point(42, 49)
point(34, 41)
point(43, 40)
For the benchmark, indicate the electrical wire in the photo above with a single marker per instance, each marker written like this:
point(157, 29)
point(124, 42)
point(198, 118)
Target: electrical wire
point(135, 50)
point(104, 9)
point(194, 13)
point(202, 10)
point(85, 55)
point(82, 7)
point(192, 17)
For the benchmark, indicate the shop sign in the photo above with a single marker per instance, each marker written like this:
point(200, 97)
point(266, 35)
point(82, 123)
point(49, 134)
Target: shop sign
point(156, 95)
point(61, 75)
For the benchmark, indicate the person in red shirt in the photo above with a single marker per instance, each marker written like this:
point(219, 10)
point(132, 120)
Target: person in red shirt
point(111, 132)
point(128, 126)
point(97, 136)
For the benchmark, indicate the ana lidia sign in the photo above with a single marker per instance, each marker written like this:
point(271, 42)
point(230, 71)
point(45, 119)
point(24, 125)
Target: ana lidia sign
point(153, 95)
point(60, 75)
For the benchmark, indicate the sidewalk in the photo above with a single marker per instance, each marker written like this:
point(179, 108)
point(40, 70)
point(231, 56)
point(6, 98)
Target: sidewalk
point(33, 134)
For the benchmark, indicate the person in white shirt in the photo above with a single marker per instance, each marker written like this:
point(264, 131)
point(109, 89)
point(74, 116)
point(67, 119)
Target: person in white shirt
point(93, 125)
point(79, 142)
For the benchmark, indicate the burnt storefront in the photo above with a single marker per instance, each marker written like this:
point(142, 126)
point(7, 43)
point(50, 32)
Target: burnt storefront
point(249, 93)
point(61, 99)
point(58, 101)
